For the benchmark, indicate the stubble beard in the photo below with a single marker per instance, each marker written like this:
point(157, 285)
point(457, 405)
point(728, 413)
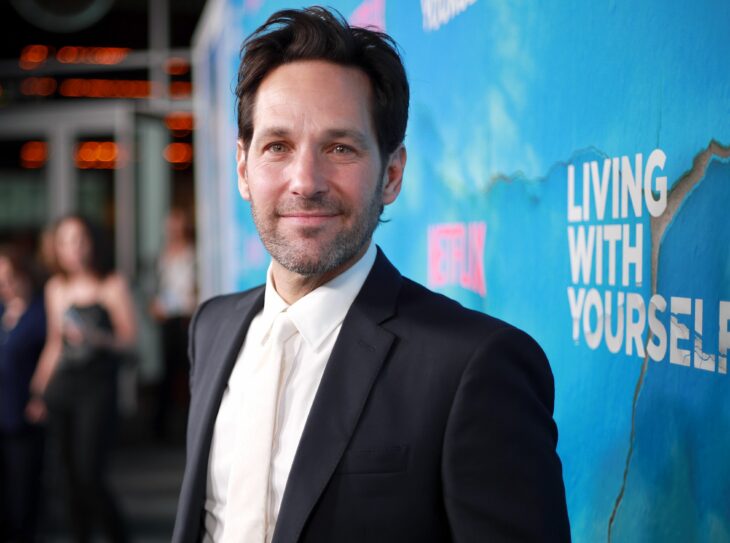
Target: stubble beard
point(298, 257)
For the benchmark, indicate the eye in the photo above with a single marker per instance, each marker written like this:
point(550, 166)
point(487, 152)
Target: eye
point(276, 147)
point(342, 149)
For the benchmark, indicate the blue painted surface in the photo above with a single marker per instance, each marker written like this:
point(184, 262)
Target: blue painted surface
point(683, 414)
point(505, 96)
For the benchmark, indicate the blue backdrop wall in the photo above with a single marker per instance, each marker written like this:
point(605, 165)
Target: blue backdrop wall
point(569, 171)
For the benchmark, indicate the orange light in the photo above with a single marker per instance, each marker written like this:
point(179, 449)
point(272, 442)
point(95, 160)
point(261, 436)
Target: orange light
point(87, 151)
point(97, 155)
point(104, 88)
point(177, 66)
point(68, 55)
point(33, 56)
point(107, 151)
point(179, 154)
point(38, 86)
point(92, 55)
point(68, 88)
point(140, 88)
point(180, 123)
point(179, 120)
point(85, 87)
point(33, 154)
point(181, 89)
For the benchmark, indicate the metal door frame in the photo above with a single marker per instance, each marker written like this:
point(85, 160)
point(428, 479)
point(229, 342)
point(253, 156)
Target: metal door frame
point(60, 124)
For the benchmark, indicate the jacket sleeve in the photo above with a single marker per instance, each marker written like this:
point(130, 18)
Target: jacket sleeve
point(188, 519)
point(501, 473)
point(192, 328)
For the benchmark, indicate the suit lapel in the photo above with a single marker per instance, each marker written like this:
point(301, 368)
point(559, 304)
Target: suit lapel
point(359, 352)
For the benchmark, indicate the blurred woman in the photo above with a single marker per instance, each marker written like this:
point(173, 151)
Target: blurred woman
point(90, 324)
point(22, 335)
point(172, 307)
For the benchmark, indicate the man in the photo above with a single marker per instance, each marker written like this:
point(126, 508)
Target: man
point(396, 415)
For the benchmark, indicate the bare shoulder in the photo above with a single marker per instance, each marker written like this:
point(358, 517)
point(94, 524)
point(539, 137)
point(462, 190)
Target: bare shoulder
point(55, 285)
point(56, 290)
point(115, 283)
point(114, 291)
point(56, 300)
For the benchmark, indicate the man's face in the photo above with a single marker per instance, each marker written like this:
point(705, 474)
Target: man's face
point(313, 172)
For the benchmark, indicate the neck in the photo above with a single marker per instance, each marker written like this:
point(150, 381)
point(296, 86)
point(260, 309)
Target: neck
point(81, 276)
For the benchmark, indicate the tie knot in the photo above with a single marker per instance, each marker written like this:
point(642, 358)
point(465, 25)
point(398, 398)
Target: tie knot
point(282, 329)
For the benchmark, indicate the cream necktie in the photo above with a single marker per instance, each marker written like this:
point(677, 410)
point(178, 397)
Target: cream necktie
point(247, 499)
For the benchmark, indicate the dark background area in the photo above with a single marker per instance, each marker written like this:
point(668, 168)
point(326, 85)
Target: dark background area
point(124, 24)
point(146, 470)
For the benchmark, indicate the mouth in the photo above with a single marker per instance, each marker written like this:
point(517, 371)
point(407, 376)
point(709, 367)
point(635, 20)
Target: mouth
point(308, 218)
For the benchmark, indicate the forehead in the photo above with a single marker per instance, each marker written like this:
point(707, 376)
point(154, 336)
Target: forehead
point(70, 227)
point(314, 93)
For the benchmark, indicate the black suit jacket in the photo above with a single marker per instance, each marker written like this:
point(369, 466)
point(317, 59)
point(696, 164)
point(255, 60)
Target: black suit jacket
point(432, 422)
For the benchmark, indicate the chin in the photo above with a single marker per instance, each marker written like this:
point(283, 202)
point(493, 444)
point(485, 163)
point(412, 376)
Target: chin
point(306, 266)
point(71, 267)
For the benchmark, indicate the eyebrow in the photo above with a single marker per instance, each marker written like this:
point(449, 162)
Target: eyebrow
point(275, 132)
point(355, 135)
point(334, 133)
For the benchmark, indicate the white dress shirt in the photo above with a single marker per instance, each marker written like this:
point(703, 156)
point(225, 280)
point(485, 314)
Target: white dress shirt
point(318, 317)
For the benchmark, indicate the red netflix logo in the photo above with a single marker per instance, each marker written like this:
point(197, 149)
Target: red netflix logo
point(456, 255)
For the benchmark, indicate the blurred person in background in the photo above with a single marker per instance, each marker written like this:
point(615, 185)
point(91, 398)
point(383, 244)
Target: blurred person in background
point(22, 336)
point(91, 325)
point(172, 307)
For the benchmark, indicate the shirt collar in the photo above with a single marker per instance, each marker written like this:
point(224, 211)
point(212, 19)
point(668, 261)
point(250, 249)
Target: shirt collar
point(317, 314)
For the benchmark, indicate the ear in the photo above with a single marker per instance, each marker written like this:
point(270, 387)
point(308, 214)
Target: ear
point(394, 175)
point(241, 170)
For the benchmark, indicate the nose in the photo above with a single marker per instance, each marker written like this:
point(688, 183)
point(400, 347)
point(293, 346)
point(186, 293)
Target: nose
point(308, 177)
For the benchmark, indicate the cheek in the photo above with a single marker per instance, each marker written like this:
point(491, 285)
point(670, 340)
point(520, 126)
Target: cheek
point(70, 251)
point(61, 249)
point(264, 183)
point(6, 286)
point(366, 190)
point(85, 251)
point(64, 254)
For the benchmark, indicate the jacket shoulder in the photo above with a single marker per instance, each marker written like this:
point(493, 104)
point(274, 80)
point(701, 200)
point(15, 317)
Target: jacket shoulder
point(432, 309)
point(224, 303)
point(450, 334)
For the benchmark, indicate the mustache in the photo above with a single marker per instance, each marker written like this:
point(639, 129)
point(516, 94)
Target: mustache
point(315, 204)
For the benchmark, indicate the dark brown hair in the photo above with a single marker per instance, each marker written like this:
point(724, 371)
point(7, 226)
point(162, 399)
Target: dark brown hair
point(316, 33)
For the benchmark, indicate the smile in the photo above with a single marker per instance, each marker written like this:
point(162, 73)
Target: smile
point(308, 218)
